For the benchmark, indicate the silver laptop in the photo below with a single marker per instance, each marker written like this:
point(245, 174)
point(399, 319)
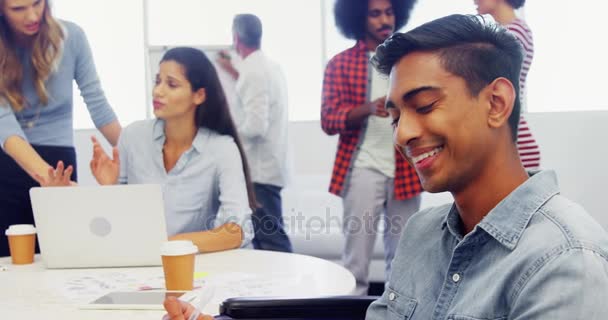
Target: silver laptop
point(99, 226)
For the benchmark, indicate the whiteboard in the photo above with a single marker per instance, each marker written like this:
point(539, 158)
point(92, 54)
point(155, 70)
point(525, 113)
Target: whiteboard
point(155, 54)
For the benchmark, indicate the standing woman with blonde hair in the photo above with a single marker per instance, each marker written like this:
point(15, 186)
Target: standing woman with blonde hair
point(39, 59)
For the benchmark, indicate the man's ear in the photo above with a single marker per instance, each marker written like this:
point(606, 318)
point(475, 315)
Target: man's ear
point(502, 99)
point(200, 96)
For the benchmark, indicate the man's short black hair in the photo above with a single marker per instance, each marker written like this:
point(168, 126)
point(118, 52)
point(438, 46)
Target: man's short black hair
point(248, 28)
point(351, 16)
point(516, 3)
point(467, 46)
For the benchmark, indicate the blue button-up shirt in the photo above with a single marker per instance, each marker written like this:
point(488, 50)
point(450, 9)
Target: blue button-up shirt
point(204, 190)
point(536, 255)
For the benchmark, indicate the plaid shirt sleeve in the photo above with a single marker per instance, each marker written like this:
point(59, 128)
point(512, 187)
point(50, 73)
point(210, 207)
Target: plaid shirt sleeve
point(344, 88)
point(334, 106)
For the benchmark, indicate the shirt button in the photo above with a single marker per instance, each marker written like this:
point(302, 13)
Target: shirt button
point(456, 277)
point(391, 296)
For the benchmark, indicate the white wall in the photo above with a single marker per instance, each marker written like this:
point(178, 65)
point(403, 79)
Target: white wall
point(574, 145)
point(569, 56)
point(115, 31)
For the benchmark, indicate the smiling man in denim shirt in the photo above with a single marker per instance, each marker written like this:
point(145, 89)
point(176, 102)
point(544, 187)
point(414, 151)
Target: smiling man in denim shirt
point(510, 247)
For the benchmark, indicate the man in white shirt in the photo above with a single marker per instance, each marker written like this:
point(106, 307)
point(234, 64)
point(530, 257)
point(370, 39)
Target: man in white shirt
point(261, 120)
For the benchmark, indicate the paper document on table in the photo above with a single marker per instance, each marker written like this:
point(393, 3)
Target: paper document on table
point(240, 284)
point(85, 287)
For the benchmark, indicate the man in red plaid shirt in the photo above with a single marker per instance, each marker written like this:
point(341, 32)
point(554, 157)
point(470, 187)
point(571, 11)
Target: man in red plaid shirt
point(373, 180)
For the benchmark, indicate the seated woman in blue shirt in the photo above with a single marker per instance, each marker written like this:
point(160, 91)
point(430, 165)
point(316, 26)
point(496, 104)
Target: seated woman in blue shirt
point(192, 150)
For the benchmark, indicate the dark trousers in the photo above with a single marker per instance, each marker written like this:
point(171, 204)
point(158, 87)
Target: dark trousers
point(268, 220)
point(15, 184)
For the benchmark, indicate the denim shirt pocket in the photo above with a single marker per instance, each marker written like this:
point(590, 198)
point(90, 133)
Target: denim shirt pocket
point(400, 306)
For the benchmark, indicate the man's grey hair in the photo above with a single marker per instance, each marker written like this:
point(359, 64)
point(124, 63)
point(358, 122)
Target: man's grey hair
point(248, 29)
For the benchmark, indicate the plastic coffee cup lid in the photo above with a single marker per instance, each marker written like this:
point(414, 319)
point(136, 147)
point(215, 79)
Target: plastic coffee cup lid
point(178, 248)
point(20, 229)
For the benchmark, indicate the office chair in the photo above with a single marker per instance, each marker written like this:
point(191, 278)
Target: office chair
point(325, 308)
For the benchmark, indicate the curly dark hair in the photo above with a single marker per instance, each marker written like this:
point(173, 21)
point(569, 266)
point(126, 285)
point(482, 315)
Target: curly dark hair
point(351, 16)
point(516, 3)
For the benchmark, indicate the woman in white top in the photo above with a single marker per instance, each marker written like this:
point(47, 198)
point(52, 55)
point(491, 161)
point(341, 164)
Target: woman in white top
point(192, 150)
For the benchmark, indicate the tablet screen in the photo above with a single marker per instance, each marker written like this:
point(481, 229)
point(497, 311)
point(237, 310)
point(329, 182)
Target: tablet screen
point(137, 297)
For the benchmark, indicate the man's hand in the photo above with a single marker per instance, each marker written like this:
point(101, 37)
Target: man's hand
point(179, 310)
point(356, 116)
point(377, 107)
point(225, 62)
point(56, 177)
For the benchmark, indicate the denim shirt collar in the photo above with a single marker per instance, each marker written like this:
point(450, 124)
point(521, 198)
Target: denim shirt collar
point(158, 133)
point(508, 220)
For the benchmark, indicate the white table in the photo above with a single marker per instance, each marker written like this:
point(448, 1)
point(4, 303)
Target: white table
point(34, 292)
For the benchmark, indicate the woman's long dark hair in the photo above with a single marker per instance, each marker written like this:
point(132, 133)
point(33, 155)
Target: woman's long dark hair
point(213, 113)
